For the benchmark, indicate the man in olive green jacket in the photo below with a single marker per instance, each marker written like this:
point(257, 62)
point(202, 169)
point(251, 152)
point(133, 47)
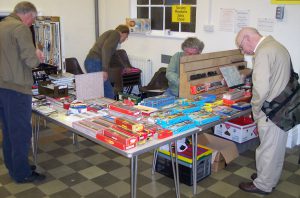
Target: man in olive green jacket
point(17, 58)
point(100, 54)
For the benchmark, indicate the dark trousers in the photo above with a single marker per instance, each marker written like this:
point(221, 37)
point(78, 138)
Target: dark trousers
point(15, 115)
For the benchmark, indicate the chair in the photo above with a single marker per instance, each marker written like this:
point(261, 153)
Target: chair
point(157, 85)
point(72, 66)
point(123, 75)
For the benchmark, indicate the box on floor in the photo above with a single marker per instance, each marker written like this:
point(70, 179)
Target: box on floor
point(224, 151)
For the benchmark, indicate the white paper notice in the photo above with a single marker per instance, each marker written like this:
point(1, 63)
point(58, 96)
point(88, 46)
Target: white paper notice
point(265, 24)
point(89, 86)
point(226, 20)
point(241, 19)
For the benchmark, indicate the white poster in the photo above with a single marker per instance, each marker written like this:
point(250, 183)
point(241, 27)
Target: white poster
point(241, 19)
point(226, 21)
point(265, 24)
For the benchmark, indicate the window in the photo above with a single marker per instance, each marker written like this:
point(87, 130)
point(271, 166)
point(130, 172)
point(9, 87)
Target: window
point(160, 13)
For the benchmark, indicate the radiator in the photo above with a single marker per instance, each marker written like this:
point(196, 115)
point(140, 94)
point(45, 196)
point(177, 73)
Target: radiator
point(143, 64)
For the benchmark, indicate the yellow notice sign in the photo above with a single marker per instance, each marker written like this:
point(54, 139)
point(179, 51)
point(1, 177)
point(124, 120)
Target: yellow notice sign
point(181, 13)
point(285, 1)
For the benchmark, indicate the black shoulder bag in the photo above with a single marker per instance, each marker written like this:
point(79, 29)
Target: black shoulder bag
point(284, 110)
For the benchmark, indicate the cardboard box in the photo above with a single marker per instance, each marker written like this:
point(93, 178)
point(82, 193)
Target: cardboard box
point(55, 91)
point(239, 130)
point(224, 151)
point(219, 162)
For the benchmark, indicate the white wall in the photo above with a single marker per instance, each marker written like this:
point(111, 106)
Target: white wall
point(77, 22)
point(286, 31)
point(79, 32)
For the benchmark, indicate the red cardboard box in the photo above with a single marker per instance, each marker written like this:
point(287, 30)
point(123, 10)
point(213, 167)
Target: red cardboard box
point(113, 142)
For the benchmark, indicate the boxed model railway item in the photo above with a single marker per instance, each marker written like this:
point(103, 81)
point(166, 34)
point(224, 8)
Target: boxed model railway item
point(224, 151)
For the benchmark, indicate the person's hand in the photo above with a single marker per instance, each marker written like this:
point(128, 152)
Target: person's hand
point(40, 55)
point(105, 76)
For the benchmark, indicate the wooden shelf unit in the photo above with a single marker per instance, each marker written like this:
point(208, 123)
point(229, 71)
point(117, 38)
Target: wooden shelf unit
point(205, 63)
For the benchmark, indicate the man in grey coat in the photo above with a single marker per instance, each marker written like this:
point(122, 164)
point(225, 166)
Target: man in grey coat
point(271, 72)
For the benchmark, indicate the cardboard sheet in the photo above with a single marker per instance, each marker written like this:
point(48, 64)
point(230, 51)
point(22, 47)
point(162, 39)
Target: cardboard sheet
point(227, 148)
point(89, 86)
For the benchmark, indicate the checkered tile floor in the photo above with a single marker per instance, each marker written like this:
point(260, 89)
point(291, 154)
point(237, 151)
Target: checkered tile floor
point(93, 171)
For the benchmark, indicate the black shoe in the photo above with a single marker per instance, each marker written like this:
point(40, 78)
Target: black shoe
point(33, 167)
point(34, 177)
point(250, 187)
point(253, 176)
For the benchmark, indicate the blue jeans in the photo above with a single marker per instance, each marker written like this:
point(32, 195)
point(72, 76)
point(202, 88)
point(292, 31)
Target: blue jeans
point(94, 65)
point(15, 115)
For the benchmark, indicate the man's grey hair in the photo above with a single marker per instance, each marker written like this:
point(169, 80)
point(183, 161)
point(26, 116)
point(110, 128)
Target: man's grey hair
point(24, 7)
point(192, 42)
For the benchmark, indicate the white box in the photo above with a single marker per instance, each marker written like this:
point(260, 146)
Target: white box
point(298, 140)
point(238, 130)
point(293, 137)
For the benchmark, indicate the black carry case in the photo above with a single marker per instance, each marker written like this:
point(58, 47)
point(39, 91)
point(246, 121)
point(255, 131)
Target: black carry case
point(284, 110)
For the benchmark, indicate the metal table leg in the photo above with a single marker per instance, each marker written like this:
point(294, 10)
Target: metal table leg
point(154, 161)
point(134, 160)
point(194, 166)
point(35, 136)
point(75, 140)
point(175, 168)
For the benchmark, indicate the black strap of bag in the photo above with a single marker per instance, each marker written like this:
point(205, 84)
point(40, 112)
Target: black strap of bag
point(271, 108)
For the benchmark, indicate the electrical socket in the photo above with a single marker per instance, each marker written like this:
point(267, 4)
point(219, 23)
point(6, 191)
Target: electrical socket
point(208, 28)
point(279, 12)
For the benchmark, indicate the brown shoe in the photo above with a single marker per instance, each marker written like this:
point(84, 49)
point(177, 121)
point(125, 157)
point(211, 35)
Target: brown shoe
point(253, 176)
point(250, 187)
